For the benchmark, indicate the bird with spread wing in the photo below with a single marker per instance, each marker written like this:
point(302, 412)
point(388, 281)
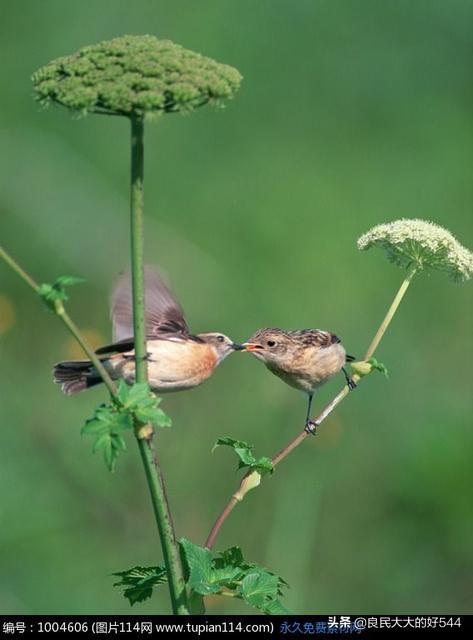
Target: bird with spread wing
point(177, 359)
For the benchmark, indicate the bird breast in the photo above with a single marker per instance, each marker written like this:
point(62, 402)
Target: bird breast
point(310, 367)
point(174, 365)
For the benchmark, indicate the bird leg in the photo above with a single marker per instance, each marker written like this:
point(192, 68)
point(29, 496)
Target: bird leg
point(350, 382)
point(310, 425)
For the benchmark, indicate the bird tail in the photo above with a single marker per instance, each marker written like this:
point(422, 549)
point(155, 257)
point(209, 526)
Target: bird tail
point(350, 358)
point(75, 376)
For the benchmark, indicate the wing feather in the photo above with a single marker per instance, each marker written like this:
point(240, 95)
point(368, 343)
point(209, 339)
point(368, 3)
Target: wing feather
point(164, 315)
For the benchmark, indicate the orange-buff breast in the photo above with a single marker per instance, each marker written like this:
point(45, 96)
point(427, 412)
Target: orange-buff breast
point(178, 365)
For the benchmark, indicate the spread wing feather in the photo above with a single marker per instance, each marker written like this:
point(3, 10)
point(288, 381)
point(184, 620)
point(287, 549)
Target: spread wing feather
point(163, 314)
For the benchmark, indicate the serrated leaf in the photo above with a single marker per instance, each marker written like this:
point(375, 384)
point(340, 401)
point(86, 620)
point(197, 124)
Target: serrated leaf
point(94, 427)
point(118, 442)
point(199, 565)
point(143, 404)
point(122, 391)
point(107, 426)
point(162, 419)
point(102, 441)
point(139, 582)
point(246, 456)
point(257, 586)
point(232, 557)
point(147, 414)
point(263, 465)
point(226, 575)
point(51, 293)
point(109, 453)
point(138, 393)
point(241, 448)
point(231, 442)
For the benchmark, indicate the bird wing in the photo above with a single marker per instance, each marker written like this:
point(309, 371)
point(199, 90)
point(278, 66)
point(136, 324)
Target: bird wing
point(122, 346)
point(315, 337)
point(164, 315)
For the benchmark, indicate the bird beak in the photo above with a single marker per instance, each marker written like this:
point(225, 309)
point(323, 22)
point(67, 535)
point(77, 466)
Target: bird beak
point(237, 347)
point(251, 346)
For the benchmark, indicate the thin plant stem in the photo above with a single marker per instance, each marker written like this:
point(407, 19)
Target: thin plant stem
point(73, 329)
point(232, 503)
point(19, 270)
point(390, 314)
point(172, 560)
point(295, 442)
point(60, 311)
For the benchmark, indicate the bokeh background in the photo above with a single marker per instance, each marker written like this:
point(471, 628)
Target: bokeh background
point(350, 114)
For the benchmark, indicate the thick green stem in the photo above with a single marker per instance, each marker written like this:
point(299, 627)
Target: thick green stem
point(172, 560)
point(137, 248)
point(295, 442)
point(60, 311)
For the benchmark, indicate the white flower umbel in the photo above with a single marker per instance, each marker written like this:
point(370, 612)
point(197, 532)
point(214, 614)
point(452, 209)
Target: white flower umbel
point(416, 245)
point(422, 245)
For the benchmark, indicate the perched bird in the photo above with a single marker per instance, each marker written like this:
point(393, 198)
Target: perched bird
point(177, 359)
point(304, 359)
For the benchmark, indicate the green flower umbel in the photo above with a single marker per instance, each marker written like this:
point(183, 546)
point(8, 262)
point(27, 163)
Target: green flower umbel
point(421, 245)
point(135, 75)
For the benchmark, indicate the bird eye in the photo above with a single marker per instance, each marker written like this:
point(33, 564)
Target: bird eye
point(271, 343)
point(221, 338)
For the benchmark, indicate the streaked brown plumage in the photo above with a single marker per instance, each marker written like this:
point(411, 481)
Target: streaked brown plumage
point(305, 359)
point(177, 359)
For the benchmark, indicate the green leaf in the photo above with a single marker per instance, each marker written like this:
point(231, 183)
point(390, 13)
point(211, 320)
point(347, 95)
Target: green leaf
point(259, 585)
point(95, 427)
point(263, 465)
point(139, 582)
point(122, 392)
point(118, 443)
point(138, 393)
point(205, 575)
point(107, 425)
point(102, 441)
point(55, 292)
point(235, 444)
point(379, 366)
point(143, 404)
point(232, 557)
point(198, 562)
point(162, 419)
point(109, 453)
point(260, 589)
point(245, 454)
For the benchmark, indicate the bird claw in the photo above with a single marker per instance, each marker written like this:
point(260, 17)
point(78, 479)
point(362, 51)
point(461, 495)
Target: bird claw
point(311, 427)
point(351, 384)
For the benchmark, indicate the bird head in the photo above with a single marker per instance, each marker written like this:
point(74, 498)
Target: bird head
point(221, 344)
point(268, 345)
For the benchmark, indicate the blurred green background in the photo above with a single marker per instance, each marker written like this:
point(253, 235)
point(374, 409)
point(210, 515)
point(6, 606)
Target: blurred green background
point(351, 113)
